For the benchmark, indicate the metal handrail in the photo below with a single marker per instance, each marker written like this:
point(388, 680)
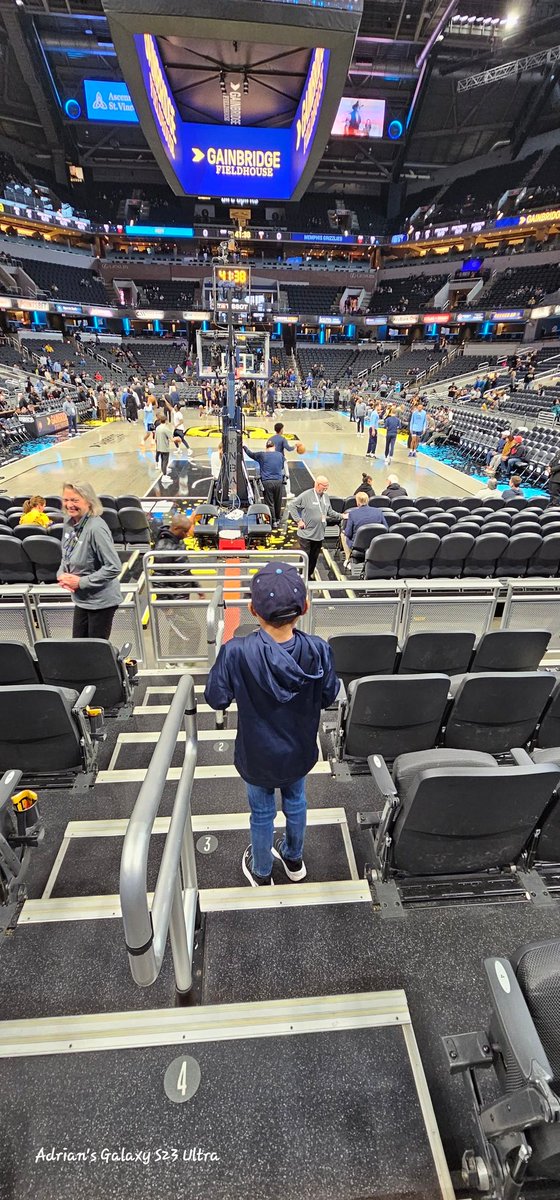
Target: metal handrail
point(215, 623)
point(175, 901)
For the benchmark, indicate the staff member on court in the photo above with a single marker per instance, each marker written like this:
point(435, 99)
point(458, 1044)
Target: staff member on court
point(312, 510)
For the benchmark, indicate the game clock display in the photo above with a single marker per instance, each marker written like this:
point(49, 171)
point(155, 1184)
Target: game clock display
point(239, 276)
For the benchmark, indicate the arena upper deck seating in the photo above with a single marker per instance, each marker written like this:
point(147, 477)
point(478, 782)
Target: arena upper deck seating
point(312, 299)
point(65, 283)
point(414, 293)
point(519, 286)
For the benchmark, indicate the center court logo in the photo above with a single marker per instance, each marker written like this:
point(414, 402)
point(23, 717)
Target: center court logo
point(259, 163)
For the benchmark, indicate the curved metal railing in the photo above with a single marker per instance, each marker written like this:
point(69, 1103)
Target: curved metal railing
point(175, 901)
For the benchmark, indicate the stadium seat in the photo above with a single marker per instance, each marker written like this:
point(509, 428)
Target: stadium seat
point(362, 541)
point(128, 502)
point(546, 562)
point(493, 711)
point(83, 661)
point(56, 530)
point(135, 526)
point(108, 502)
point(521, 548)
point(48, 734)
point(449, 813)
point(382, 558)
point(206, 529)
point(549, 728)
point(417, 556)
point(27, 531)
point(447, 652)
point(517, 1126)
point(450, 556)
point(46, 555)
point(511, 650)
point(17, 664)
point(15, 566)
point(359, 654)
point(259, 522)
point(111, 518)
point(482, 559)
point(391, 715)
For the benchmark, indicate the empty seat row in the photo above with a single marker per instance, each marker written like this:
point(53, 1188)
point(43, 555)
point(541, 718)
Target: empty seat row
point(75, 665)
point(450, 653)
point(491, 712)
point(16, 502)
point(460, 554)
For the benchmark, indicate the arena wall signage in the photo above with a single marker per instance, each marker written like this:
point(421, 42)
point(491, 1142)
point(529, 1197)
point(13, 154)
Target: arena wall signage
point(436, 318)
point(508, 314)
point(109, 101)
point(159, 231)
point(467, 318)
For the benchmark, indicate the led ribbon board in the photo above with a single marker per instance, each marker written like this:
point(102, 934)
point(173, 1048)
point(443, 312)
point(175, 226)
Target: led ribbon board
point(210, 160)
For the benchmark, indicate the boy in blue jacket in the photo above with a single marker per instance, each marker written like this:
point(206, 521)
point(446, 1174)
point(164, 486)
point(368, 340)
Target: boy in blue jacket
point(281, 679)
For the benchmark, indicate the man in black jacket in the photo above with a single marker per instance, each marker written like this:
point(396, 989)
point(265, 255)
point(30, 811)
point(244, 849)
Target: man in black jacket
point(553, 472)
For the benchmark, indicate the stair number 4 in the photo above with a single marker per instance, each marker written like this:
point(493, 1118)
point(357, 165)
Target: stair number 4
point(182, 1080)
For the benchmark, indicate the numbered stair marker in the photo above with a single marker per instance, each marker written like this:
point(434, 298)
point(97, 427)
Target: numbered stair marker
point(182, 1079)
point(207, 844)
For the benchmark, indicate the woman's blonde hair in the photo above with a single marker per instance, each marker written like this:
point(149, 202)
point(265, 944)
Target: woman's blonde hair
point(87, 493)
point(33, 502)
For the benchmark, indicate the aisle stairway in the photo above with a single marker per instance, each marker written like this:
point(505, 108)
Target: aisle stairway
point(300, 1071)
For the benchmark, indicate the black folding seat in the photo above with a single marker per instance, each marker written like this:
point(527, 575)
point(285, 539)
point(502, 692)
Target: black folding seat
point(449, 559)
point(46, 555)
point(546, 562)
point(48, 734)
point(470, 502)
point(517, 503)
point(14, 517)
point(108, 502)
point(392, 518)
point(466, 525)
point(349, 503)
point(128, 502)
point(437, 528)
point(449, 653)
point(483, 512)
point(424, 502)
point(525, 518)
point(448, 502)
point(494, 502)
point(111, 518)
point(454, 813)
point(27, 531)
point(436, 512)
point(17, 664)
point(487, 549)
point(460, 510)
point(391, 715)
point(498, 710)
point(19, 501)
point(405, 528)
point(337, 503)
point(400, 502)
point(56, 530)
point(135, 527)
point(417, 556)
point(6, 503)
point(516, 558)
point(259, 522)
point(363, 539)
point(380, 502)
point(383, 557)
point(207, 526)
point(496, 526)
point(539, 502)
point(53, 502)
point(511, 650)
point(420, 519)
point(527, 527)
point(75, 664)
point(359, 654)
point(445, 518)
point(521, 1068)
point(15, 566)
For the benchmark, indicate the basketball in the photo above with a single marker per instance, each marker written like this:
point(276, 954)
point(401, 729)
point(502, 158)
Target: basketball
point(300, 448)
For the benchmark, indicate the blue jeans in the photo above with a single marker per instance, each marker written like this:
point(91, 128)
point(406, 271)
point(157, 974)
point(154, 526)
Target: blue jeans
point(263, 812)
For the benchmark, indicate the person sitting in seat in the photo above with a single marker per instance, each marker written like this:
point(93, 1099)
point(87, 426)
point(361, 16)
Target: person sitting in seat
point(365, 486)
point(487, 491)
point(362, 514)
point(394, 488)
point(34, 512)
point(514, 491)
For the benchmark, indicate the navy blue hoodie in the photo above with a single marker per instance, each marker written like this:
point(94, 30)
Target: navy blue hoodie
point(280, 689)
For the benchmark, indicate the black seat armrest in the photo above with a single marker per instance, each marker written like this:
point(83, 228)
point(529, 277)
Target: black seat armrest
point(124, 651)
point(85, 698)
point(381, 776)
point(515, 1019)
point(8, 785)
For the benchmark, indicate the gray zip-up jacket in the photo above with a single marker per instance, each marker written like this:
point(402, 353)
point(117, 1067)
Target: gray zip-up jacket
point(94, 558)
point(314, 510)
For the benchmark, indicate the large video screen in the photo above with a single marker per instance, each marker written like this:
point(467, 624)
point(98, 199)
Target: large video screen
point(209, 160)
point(359, 118)
point(109, 102)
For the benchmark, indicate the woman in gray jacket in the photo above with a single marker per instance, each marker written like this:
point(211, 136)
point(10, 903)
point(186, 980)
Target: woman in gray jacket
point(90, 564)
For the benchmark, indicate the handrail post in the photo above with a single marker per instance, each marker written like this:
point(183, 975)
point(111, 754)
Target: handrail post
point(215, 623)
point(175, 902)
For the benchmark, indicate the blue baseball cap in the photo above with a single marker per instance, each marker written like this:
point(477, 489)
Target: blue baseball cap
point(278, 592)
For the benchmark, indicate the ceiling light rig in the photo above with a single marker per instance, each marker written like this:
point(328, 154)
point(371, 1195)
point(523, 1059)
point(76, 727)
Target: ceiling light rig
point(245, 84)
point(223, 82)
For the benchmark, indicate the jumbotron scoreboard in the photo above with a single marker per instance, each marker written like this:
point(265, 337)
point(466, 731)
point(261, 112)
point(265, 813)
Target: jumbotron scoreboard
point(236, 98)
